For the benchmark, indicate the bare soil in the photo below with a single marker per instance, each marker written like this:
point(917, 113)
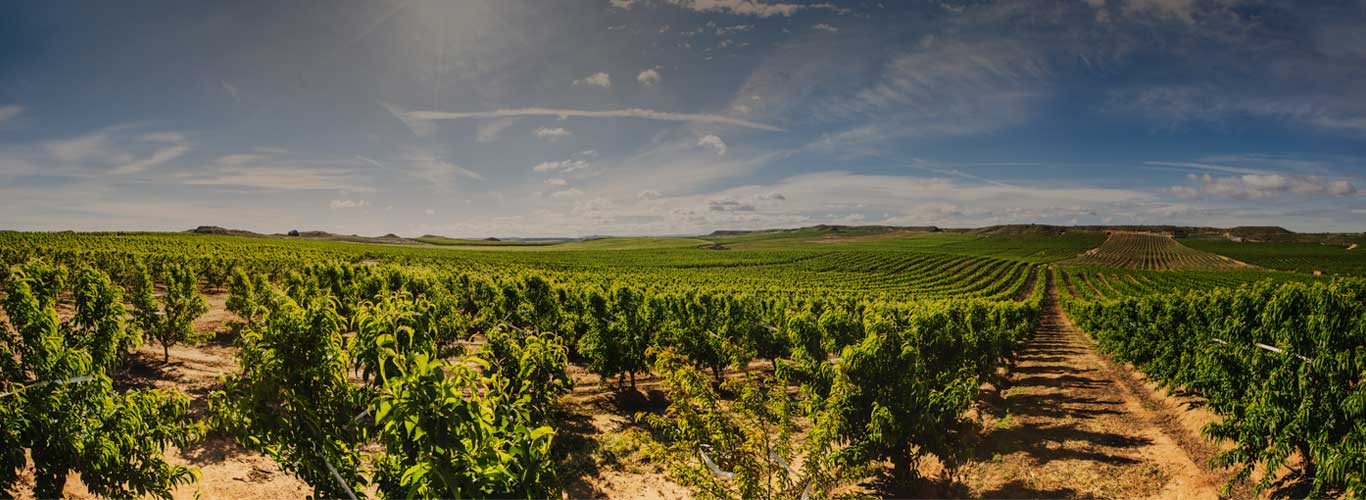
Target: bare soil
point(1068, 426)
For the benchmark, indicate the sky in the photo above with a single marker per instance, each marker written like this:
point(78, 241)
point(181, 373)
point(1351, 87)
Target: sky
point(531, 118)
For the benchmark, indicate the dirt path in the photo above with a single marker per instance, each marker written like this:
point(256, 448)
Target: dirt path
point(1068, 427)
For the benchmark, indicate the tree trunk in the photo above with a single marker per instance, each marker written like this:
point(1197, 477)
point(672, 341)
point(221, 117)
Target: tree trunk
point(633, 380)
point(902, 472)
point(1309, 468)
point(165, 353)
point(49, 480)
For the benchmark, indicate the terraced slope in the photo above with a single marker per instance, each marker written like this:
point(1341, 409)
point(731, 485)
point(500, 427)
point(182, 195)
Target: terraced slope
point(1149, 251)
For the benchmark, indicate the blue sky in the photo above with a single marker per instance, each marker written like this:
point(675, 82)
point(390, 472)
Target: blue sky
point(536, 118)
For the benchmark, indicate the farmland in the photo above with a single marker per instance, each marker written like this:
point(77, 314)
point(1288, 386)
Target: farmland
point(823, 362)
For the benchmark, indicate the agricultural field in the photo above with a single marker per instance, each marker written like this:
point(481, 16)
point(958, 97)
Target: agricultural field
point(1129, 250)
point(824, 362)
point(1340, 257)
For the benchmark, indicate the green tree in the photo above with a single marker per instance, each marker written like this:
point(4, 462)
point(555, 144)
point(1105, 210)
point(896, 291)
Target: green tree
point(170, 319)
point(58, 403)
point(293, 400)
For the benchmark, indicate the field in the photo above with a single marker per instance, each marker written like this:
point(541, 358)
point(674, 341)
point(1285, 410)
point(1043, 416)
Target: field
point(1305, 257)
point(821, 362)
point(1151, 252)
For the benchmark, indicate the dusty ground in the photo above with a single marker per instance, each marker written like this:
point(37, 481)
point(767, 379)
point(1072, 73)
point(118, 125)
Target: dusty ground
point(1068, 427)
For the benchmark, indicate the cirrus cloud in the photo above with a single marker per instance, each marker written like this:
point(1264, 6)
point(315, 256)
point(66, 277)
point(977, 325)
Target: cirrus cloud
point(647, 114)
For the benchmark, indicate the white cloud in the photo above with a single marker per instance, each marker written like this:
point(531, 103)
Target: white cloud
point(429, 211)
point(1185, 192)
point(488, 130)
point(242, 159)
point(1261, 186)
point(556, 182)
point(562, 166)
point(282, 177)
point(1341, 188)
point(347, 203)
point(78, 149)
point(158, 157)
point(599, 79)
point(826, 27)
point(552, 134)
point(713, 142)
point(649, 77)
point(9, 112)
point(427, 116)
point(649, 194)
point(439, 171)
point(231, 90)
point(567, 193)
point(168, 137)
point(622, 4)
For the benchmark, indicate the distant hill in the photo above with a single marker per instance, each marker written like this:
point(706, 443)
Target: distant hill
point(222, 231)
point(311, 235)
point(836, 231)
point(1024, 230)
point(828, 228)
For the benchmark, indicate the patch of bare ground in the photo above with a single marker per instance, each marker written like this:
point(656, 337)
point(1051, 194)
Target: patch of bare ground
point(1067, 427)
point(598, 447)
point(226, 471)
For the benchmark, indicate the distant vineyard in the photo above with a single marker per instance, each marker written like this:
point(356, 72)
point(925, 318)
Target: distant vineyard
point(1151, 252)
point(1299, 257)
point(1108, 283)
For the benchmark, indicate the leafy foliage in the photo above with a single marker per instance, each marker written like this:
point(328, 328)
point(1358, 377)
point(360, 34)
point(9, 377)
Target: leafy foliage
point(1281, 364)
point(60, 405)
point(169, 319)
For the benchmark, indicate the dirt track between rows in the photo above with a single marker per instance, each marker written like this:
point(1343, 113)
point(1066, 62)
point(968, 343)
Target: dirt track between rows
point(1069, 425)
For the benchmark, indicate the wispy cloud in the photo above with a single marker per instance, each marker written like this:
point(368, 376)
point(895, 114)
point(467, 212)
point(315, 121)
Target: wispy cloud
point(1187, 165)
point(84, 147)
point(552, 134)
point(158, 157)
point(10, 112)
point(231, 90)
point(347, 203)
point(488, 130)
point(647, 114)
point(562, 166)
point(1261, 186)
point(176, 146)
point(282, 177)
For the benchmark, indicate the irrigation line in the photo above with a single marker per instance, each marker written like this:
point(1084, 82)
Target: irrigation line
point(1273, 349)
point(333, 470)
point(73, 380)
point(714, 469)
